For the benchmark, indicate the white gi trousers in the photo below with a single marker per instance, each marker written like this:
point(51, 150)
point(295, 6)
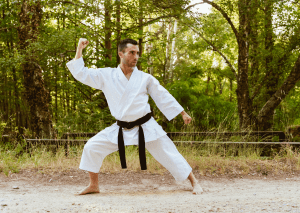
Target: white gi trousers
point(162, 149)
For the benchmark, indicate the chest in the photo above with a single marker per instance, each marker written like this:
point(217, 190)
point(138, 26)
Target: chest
point(117, 84)
point(128, 76)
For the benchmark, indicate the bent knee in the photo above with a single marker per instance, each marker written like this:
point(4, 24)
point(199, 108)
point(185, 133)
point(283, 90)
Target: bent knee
point(89, 146)
point(99, 147)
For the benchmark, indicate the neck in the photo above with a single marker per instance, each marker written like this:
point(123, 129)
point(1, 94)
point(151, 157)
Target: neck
point(126, 70)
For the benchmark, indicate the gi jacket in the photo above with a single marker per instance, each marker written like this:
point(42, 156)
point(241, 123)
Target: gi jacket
point(128, 99)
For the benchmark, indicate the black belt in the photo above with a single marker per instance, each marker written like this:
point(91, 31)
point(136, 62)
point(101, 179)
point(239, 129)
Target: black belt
point(142, 152)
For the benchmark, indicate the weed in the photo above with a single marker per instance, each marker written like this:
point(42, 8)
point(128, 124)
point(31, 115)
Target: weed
point(208, 159)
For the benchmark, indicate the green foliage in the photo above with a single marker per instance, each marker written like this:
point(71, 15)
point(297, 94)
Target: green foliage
point(209, 112)
point(83, 120)
point(288, 114)
point(195, 73)
point(2, 126)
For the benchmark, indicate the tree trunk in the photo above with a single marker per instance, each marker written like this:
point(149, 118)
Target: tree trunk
point(230, 89)
point(244, 103)
point(221, 86)
point(107, 27)
point(266, 113)
point(118, 25)
point(17, 102)
point(167, 54)
point(148, 49)
point(254, 46)
point(272, 80)
point(5, 104)
point(4, 91)
point(141, 32)
point(35, 92)
point(254, 57)
point(207, 83)
point(172, 60)
point(273, 77)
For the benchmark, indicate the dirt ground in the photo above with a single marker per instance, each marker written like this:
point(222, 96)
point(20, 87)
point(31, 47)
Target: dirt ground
point(32, 191)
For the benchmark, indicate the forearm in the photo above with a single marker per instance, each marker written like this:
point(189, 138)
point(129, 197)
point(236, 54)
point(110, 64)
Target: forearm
point(78, 53)
point(183, 113)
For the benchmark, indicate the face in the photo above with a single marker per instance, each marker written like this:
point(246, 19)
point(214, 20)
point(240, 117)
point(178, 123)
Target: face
point(130, 55)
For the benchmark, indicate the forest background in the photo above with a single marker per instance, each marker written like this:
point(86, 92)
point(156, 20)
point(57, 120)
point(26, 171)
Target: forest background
point(235, 68)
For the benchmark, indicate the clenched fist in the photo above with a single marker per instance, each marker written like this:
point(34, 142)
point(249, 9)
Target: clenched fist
point(186, 118)
point(83, 42)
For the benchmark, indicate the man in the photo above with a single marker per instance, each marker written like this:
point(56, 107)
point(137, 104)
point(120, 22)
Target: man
point(126, 90)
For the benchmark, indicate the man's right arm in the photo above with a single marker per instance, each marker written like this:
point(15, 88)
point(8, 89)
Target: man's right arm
point(83, 42)
point(89, 76)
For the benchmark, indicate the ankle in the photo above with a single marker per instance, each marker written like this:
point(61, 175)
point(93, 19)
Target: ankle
point(194, 183)
point(94, 185)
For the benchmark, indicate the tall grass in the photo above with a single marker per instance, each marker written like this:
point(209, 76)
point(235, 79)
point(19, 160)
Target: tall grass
point(208, 159)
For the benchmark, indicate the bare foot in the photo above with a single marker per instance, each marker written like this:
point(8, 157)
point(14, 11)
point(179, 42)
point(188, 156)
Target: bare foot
point(90, 190)
point(197, 189)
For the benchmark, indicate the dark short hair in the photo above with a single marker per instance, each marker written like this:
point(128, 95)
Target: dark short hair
point(123, 44)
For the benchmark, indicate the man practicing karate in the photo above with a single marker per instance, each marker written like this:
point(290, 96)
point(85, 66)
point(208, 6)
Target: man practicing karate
point(126, 90)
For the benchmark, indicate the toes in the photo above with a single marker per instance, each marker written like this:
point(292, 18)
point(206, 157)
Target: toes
point(197, 190)
point(89, 190)
point(197, 193)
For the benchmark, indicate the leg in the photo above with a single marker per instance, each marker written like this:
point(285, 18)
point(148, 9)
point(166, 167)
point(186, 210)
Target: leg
point(94, 152)
point(196, 187)
point(93, 187)
point(166, 153)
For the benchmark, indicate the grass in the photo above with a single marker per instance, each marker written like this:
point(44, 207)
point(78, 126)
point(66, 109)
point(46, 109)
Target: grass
point(208, 159)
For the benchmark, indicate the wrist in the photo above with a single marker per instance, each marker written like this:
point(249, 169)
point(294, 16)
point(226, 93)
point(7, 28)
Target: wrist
point(79, 50)
point(78, 54)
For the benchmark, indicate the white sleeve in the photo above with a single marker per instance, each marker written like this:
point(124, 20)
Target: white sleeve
point(91, 77)
point(166, 103)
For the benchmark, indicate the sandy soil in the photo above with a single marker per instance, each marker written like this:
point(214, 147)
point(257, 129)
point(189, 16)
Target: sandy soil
point(30, 191)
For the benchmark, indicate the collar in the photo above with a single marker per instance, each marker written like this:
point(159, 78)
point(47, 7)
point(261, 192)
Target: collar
point(121, 75)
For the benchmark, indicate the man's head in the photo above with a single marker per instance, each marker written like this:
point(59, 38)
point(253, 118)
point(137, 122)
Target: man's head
point(128, 51)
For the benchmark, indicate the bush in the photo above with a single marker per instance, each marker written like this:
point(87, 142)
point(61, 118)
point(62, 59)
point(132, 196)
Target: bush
point(208, 112)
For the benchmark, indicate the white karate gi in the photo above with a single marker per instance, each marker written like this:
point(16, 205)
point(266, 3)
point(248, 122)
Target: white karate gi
point(128, 101)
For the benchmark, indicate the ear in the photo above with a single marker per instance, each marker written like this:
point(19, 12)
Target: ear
point(121, 54)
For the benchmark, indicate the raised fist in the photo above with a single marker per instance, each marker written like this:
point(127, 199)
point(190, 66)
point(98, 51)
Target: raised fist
point(83, 42)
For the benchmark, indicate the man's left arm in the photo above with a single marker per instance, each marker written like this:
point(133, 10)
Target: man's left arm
point(166, 103)
point(186, 118)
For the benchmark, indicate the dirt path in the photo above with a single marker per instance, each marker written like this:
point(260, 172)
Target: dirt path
point(142, 192)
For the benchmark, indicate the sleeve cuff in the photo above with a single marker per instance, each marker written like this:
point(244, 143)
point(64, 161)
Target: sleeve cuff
point(73, 61)
point(174, 113)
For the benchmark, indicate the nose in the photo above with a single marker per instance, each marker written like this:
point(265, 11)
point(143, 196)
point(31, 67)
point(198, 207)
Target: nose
point(136, 56)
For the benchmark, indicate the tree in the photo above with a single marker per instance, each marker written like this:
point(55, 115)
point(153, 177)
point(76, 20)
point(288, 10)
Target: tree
point(248, 13)
point(37, 95)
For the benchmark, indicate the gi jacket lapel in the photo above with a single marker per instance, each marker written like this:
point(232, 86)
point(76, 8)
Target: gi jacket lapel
point(122, 78)
point(129, 92)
